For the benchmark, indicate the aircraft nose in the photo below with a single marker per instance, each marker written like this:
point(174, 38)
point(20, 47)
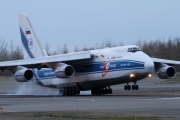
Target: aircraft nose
point(149, 66)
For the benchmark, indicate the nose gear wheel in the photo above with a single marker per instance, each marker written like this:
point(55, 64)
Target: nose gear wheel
point(128, 87)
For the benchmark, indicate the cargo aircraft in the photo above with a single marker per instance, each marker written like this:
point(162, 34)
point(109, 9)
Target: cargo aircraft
point(95, 70)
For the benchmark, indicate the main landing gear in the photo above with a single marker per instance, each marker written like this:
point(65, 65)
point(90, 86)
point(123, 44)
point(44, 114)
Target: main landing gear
point(103, 91)
point(70, 91)
point(128, 87)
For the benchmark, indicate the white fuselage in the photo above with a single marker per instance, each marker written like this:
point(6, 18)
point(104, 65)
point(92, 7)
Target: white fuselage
point(106, 67)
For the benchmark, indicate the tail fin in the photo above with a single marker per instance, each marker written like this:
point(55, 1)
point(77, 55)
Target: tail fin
point(32, 46)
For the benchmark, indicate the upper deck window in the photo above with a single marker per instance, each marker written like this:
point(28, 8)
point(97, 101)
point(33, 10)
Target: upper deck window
point(134, 49)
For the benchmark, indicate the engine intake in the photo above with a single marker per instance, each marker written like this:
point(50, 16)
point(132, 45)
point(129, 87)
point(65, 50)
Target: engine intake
point(166, 72)
point(64, 71)
point(23, 75)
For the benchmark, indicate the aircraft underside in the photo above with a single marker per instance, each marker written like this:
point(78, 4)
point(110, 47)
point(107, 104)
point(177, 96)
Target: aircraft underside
point(98, 87)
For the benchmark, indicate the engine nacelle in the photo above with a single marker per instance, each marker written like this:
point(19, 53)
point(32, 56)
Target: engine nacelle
point(23, 75)
point(64, 71)
point(166, 72)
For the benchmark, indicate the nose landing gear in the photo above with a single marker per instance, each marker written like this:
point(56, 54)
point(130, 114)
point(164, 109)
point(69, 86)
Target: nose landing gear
point(127, 87)
point(134, 87)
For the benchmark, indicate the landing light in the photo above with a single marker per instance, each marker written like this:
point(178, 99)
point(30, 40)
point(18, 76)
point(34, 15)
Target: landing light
point(132, 75)
point(150, 75)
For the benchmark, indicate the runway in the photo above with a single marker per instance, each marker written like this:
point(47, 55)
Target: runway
point(152, 98)
point(165, 105)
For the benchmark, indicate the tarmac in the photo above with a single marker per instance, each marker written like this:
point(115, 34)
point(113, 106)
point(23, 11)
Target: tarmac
point(152, 98)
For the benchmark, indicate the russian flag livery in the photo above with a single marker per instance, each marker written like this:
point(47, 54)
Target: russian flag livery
point(28, 31)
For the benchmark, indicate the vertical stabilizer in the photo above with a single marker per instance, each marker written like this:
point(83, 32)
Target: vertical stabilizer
point(31, 44)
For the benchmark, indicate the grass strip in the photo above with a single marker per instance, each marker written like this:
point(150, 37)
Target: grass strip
point(88, 116)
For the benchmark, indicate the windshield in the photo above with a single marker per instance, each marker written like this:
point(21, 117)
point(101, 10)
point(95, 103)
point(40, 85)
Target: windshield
point(134, 49)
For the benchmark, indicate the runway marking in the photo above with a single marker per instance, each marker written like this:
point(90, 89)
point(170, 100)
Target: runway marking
point(92, 100)
point(134, 99)
point(173, 98)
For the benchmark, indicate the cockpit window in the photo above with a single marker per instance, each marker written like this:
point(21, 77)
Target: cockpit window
point(134, 49)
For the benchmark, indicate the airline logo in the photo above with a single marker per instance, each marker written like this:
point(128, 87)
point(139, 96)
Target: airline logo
point(28, 31)
point(105, 68)
point(30, 43)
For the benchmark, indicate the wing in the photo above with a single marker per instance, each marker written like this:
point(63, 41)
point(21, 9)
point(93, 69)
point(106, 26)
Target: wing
point(165, 61)
point(33, 63)
point(161, 65)
point(69, 57)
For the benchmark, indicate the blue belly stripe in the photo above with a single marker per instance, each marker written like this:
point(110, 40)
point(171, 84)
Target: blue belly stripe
point(93, 68)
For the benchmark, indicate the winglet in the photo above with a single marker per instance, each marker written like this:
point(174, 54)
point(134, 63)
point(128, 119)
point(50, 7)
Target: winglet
point(32, 46)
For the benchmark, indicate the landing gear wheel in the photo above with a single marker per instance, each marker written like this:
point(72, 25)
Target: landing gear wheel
point(77, 92)
point(106, 91)
point(129, 87)
point(95, 92)
point(62, 91)
point(110, 91)
point(92, 92)
point(125, 87)
point(67, 91)
point(133, 87)
point(102, 91)
point(73, 91)
point(70, 90)
point(137, 87)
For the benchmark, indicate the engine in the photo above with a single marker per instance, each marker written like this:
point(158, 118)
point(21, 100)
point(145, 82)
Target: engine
point(64, 71)
point(166, 72)
point(23, 75)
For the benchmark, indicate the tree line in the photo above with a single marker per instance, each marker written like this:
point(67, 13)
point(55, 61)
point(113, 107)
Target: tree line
point(9, 51)
point(166, 49)
point(169, 49)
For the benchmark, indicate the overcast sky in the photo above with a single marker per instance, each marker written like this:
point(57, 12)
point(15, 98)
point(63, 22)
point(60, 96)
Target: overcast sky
point(87, 22)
